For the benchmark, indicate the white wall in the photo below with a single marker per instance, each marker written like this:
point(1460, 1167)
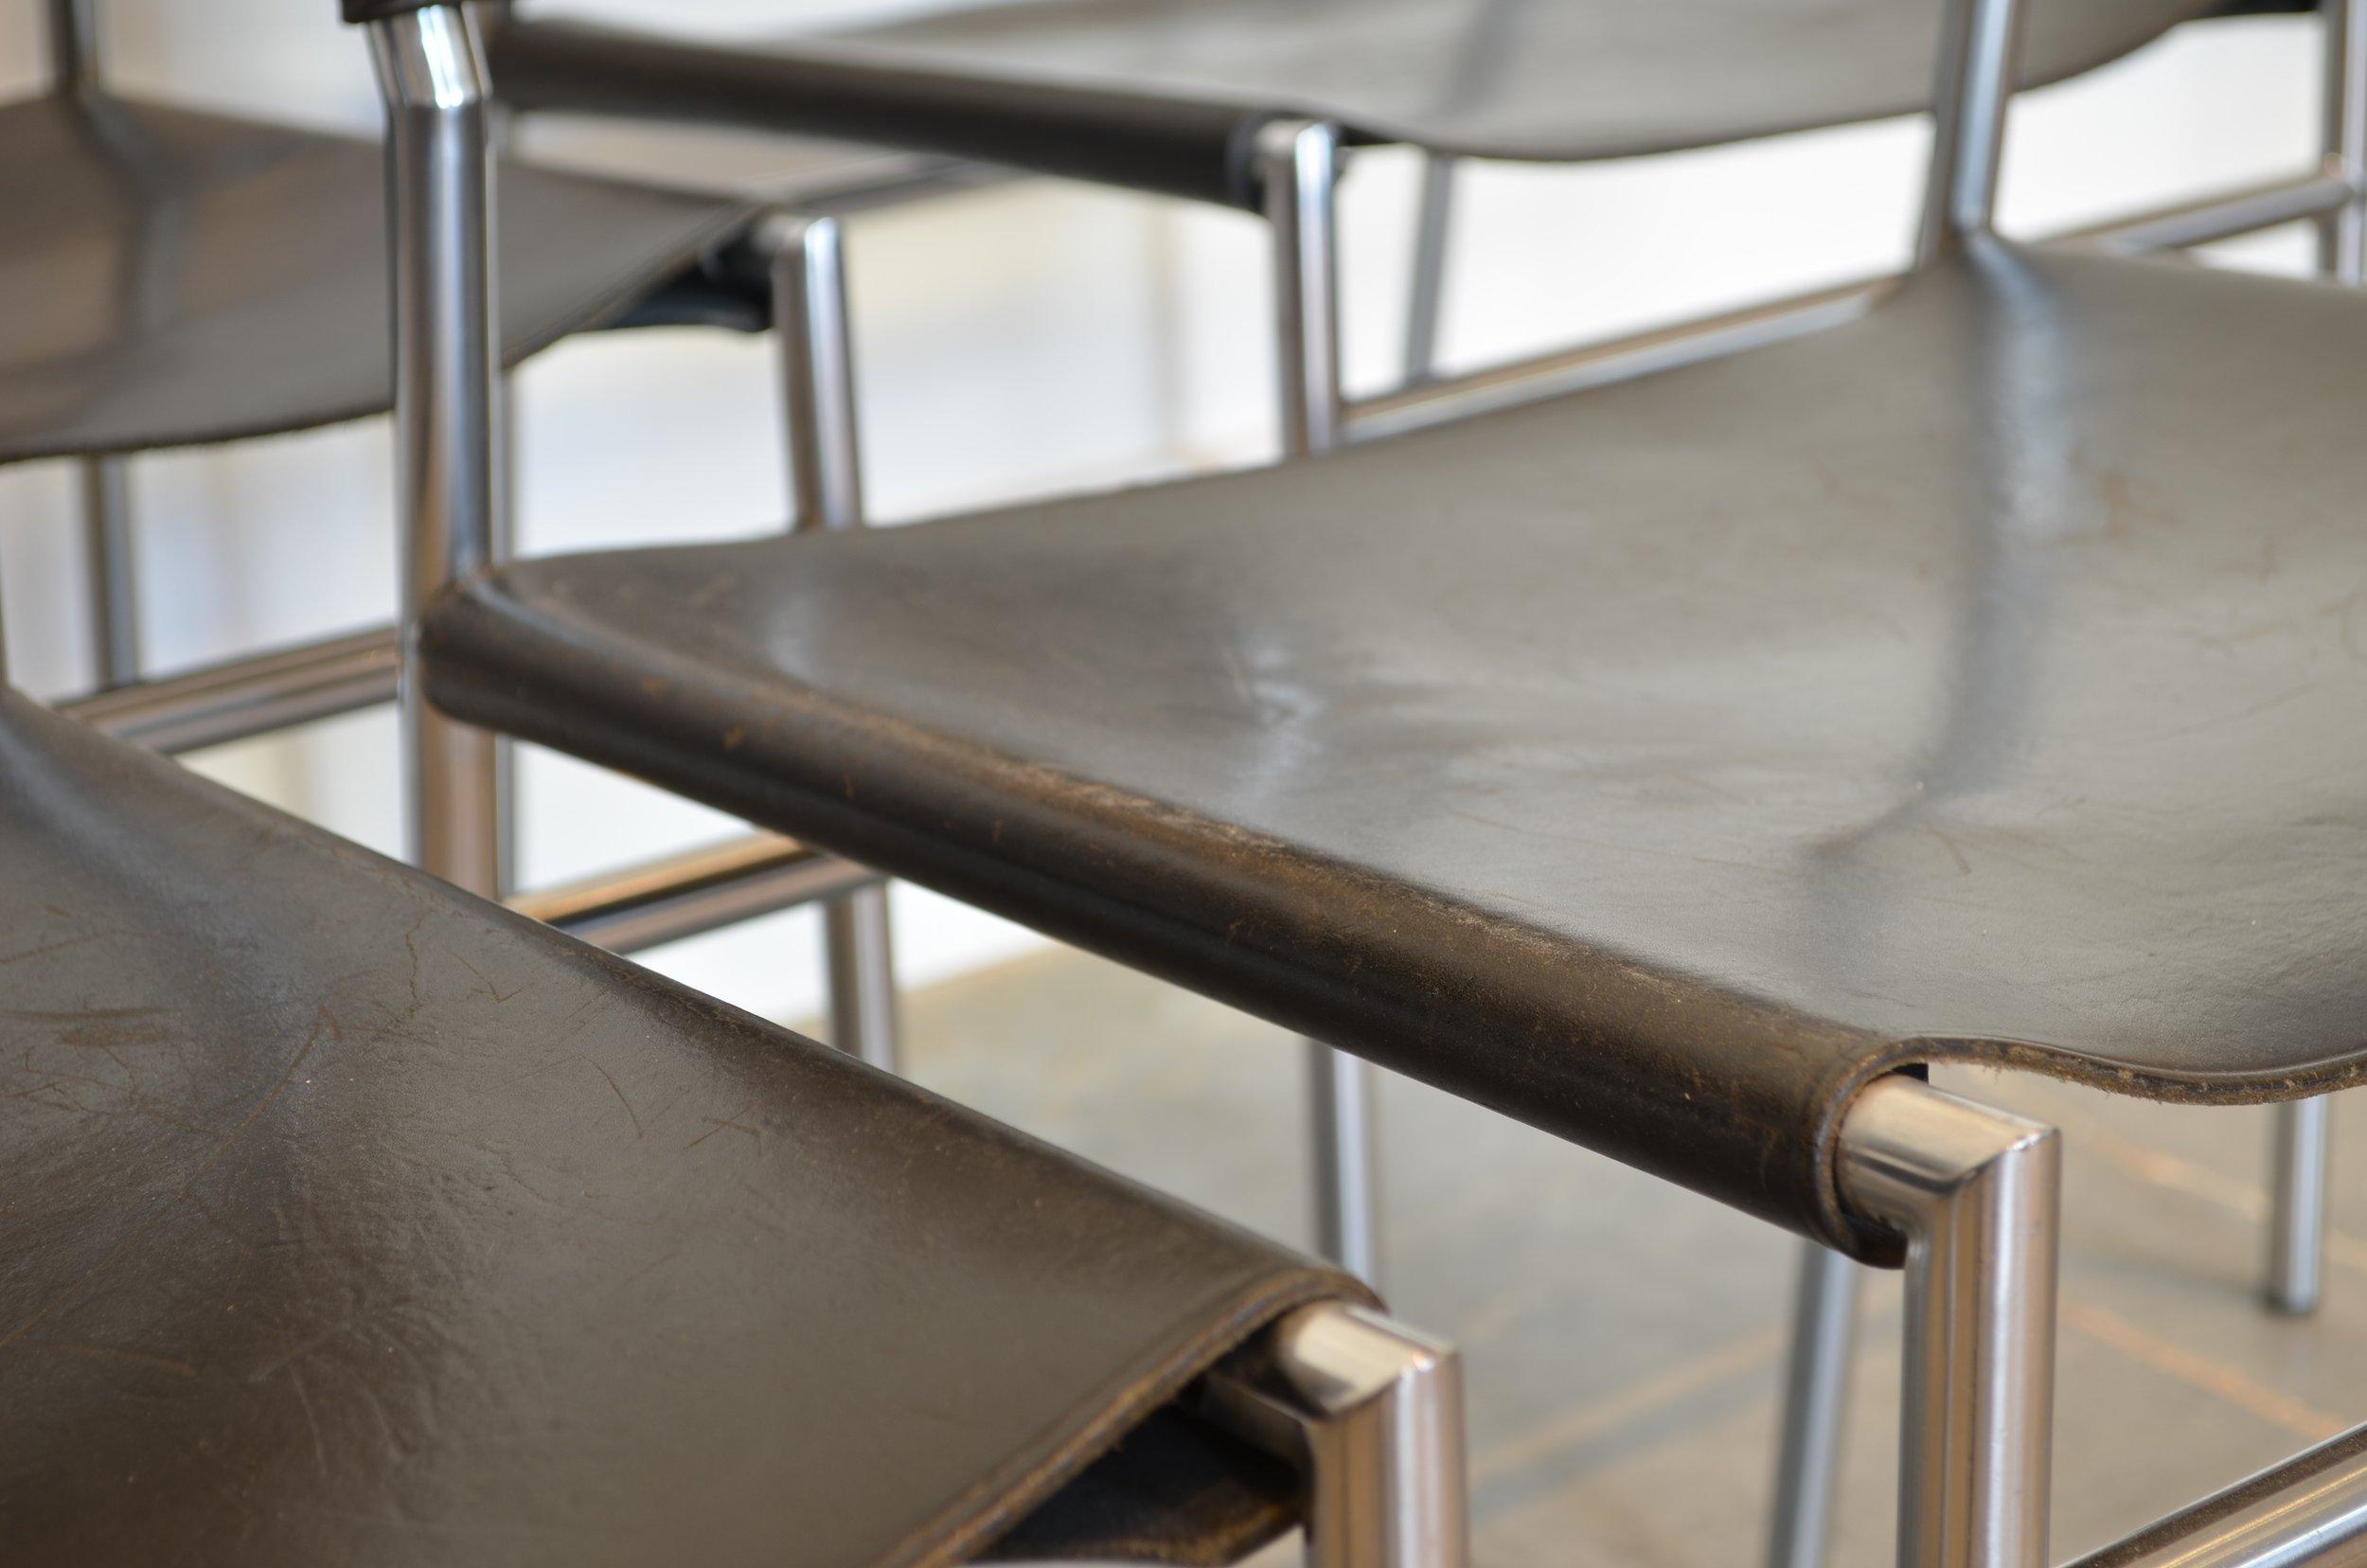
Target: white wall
point(1024, 338)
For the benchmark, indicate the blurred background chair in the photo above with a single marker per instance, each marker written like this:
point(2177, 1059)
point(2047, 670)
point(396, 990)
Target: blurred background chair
point(207, 278)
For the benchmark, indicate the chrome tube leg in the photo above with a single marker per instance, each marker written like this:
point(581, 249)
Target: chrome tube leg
point(2298, 1213)
point(824, 447)
point(447, 402)
point(1426, 304)
point(1344, 1147)
point(2342, 233)
point(1298, 170)
point(111, 579)
point(1816, 1396)
point(1372, 1413)
point(1975, 1192)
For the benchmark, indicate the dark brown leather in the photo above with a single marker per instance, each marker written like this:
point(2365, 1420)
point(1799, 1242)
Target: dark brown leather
point(346, 1219)
point(1656, 764)
point(1160, 94)
point(202, 277)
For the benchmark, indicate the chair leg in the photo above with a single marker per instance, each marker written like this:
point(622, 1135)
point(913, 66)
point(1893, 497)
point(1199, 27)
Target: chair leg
point(2298, 1210)
point(107, 563)
point(1372, 1413)
point(1975, 1192)
point(1345, 1145)
point(447, 403)
point(1816, 1396)
point(1426, 305)
point(860, 959)
point(821, 439)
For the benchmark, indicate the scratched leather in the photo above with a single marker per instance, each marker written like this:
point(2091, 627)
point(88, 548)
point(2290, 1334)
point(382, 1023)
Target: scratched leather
point(199, 278)
point(346, 1219)
point(1980, 678)
point(1124, 90)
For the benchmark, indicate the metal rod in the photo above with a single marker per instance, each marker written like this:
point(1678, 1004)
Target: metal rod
point(2219, 217)
point(2299, 1211)
point(691, 894)
point(73, 46)
point(431, 69)
point(1344, 1150)
point(1372, 1413)
point(1974, 1191)
point(2310, 1510)
point(1979, 47)
point(1426, 305)
point(859, 954)
point(825, 450)
point(2342, 235)
point(249, 696)
point(1816, 1399)
point(1508, 386)
point(1299, 166)
point(111, 579)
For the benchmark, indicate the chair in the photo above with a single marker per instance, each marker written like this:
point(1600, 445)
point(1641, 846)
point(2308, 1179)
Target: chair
point(1190, 101)
point(207, 277)
point(351, 1217)
point(1670, 764)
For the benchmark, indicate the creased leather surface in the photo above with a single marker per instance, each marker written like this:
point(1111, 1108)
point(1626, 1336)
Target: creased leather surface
point(1122, 90)
point(1654, 764)
point(345, 1218)
point(200, 277)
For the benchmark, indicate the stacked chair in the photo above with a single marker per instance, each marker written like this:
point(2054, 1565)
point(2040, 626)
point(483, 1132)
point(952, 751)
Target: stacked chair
point(1676, 764)
point(207, 278)
point(351, 1217)
point(1248, 104)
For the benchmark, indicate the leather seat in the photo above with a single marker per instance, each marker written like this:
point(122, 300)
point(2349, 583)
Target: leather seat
point(204, 277)
point(1164, 94)
point(1657, 764)
point(351, 1219)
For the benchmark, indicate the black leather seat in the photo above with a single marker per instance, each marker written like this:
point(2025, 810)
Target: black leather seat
point(1165, 95)
point(202, 277)
point(349, 1219)
point(1656, 764)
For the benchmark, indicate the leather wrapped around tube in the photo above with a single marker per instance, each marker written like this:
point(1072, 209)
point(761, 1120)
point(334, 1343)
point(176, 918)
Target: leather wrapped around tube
point(1196, 151)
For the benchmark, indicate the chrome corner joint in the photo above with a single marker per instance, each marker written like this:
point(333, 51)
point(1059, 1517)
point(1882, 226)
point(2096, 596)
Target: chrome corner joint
point(431, 69)
point(1372, 1415)
point(1975, 1192)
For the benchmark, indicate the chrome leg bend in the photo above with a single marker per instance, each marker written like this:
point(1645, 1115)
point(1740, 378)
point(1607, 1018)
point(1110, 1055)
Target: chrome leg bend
point(1372, 1415)
point(1974, 1193)
point(431, 71)
point(824, 452)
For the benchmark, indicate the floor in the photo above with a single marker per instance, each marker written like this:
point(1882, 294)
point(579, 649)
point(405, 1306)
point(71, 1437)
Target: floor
point(1623, 1337)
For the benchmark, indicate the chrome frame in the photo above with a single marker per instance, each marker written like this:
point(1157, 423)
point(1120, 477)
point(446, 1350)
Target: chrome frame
point(1371, 1414)
point(823, 445)
point(448, 406)
point(105, 502)
point(109, 570)
point(1426, 294)
point(1975, 1192)
point(1815, 1408)
point(1298, 167)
